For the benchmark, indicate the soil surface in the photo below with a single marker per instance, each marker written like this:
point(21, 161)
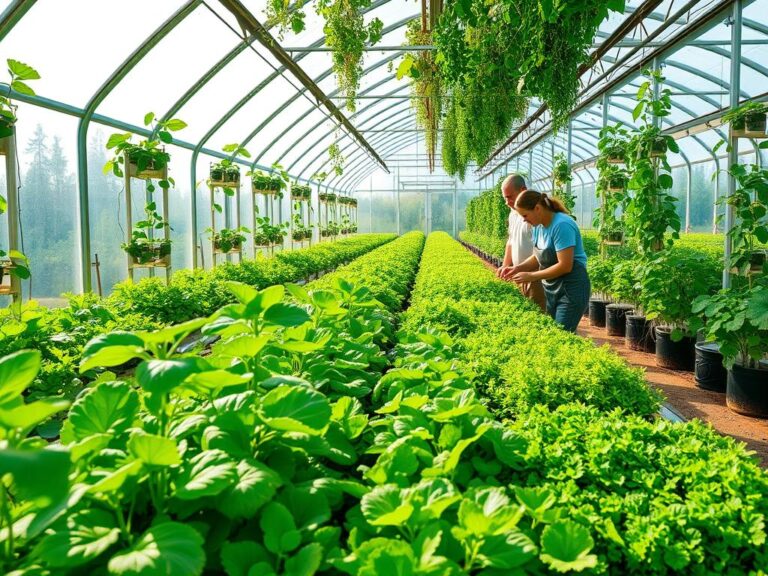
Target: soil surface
point(683, 396)
point(686, 398)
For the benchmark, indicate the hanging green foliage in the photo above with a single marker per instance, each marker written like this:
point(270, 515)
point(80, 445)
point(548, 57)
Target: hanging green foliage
point(504, 52)
point(488, 214)
point(426, 86)
point(561, 177)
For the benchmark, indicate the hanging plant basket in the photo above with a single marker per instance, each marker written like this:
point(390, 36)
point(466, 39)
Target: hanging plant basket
point(234, 246)
point(614, 238)
point(225, 177)
point(152, 169)
point(7, 128)
point(301, 193)
point(266, 186)
point(327, 197)
point(749, 126)
point(150, 254)
point(6, 266)
point(617, 183)
point(658, 148)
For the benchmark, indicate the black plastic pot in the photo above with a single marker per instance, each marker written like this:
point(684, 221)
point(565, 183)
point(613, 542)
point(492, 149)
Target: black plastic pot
point(747, 391)
point(597, 312)
point(710, 374)
point(639, 334)
point(678, 355)
point(616, 318)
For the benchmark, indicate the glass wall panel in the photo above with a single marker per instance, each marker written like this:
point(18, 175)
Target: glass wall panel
point(384, 212)
point(47, 191)
point(412, 212)
point(441, 211)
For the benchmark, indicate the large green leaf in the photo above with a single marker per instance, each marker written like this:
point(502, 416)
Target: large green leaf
point(757, 309)
point(565, 547)
point(238, 558)
point(114, 480)
point(165, 549)
point(306, 561)
point(17, 371)
point(242, 346)
point(206, 474)
point(111, 349)
point(162, 376)
point(286, 315)
point(383, 506)
point(89, 533)
point(22, 71)
point(507, 551)
point(280, 534)
point(108, 408)
point(27, 416)
point(296, 409)
point(256, 485)
point(154, 450)
point(38, 475)
point(243, 292)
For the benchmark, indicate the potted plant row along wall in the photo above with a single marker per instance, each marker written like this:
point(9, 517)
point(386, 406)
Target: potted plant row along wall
point(272, 183)
point(300, 192)
point(736, 318)
point(228, 241)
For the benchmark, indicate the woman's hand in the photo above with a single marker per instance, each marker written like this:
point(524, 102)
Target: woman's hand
point(508, 272)
point(521, 277)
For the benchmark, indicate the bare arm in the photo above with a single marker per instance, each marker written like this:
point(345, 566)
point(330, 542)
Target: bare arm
point(564, 266)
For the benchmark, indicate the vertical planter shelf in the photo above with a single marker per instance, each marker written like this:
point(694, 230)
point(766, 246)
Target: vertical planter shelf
point(222, 182)
point(158, 252)
point(10, 285)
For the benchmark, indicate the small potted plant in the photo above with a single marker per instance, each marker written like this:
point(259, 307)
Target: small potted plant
point(617, 181)
point(300, 192)
point(735, 319)
point(612, 144)
point(20, 74)
point(12, 263)
point(227, 240)
point(748, 120)
point(143, 248)
point(269, 183)
point(146, 159)
point(327, 197)
point(225, 172)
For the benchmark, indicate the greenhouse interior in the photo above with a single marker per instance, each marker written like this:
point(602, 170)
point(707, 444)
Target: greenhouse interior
point(383, 287)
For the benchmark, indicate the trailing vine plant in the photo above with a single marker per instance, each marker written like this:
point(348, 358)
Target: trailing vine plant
point(561, 176)
point(493, 57)
point(346, 34)
point(650, 211)
point(426, 86)
point(612, 182)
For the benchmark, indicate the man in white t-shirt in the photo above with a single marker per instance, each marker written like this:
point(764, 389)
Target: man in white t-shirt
point(519, 244)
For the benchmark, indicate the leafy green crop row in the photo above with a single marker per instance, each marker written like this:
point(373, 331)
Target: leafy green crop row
point(521, 357)
point(60, 333)
point(488, 244)
point(194, 293)
point(285, 451)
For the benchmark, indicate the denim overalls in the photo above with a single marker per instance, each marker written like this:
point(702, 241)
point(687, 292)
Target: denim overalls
point(568, 295)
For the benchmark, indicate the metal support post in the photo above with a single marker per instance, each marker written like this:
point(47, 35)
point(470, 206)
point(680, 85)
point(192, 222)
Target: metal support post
point(688, 197)
point(455, 212)
point(12, 184)
point(717, 194)
point(733, 152)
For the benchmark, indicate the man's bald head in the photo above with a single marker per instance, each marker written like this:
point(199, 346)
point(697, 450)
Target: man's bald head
point(511, 187)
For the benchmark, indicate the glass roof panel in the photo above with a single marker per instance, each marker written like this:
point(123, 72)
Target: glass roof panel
point(218, 96)
point(42, 40)
point(159, 79)
point(253, 113)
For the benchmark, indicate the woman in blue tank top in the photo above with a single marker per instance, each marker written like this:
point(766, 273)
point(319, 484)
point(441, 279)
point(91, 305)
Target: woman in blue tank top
point(558, 260)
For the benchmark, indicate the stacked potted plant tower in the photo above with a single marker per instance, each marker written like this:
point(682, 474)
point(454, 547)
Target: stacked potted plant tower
point(269, 183)
point(561, 176)
point(225, 176)
point(652, 222)
point(147, 160)
point(14, 265)
point(736, 318)
point(266, 234)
